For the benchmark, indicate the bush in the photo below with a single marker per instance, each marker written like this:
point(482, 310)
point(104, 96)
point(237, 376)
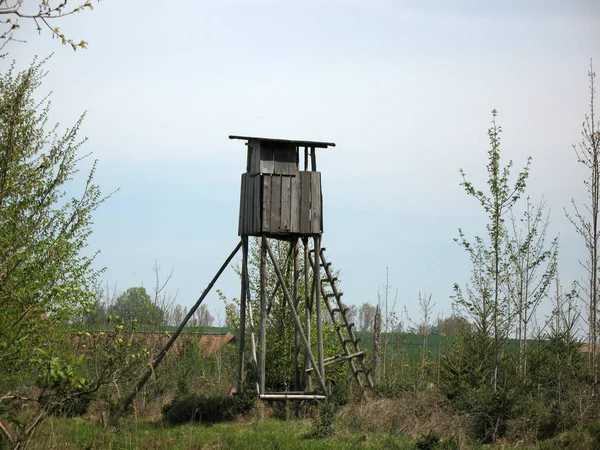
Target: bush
point(415, 414)
point(74, 406)
point(323, 422)
point(207, 408)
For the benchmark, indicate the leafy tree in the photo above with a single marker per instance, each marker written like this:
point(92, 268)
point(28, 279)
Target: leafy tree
point(45, 278)
point(351, 313)
point(366, 317)
point(177, 315)
point(135, 305)
point(484, 298)
point(203, 317)
point(532, 268)
point(95, 316)
point(452, 326)
point(585, 221)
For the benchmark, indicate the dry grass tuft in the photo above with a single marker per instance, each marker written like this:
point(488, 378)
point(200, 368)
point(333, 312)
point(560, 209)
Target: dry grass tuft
point(415, 414)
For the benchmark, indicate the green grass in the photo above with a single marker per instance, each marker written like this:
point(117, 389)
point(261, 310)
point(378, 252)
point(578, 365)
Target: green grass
point(253, 435)
point(269, 434)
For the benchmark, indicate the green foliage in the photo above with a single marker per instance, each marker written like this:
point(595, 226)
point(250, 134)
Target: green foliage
point(322, 424)
point(135, 306)
point(484, 299)
point(44, 277)
point(207, 408)
point(538, 406)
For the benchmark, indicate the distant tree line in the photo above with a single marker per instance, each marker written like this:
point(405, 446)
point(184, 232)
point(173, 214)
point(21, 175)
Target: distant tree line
point(136, 307)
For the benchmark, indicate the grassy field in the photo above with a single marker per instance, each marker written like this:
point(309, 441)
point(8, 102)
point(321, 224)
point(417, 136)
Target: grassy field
point(259, 435)
point(267, 434)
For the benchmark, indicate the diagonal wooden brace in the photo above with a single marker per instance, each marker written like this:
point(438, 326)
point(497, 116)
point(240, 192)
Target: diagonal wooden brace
point(289, 301)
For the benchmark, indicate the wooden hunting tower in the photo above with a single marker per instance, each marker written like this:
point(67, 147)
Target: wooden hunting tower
point(277, 198)
point(280, 201)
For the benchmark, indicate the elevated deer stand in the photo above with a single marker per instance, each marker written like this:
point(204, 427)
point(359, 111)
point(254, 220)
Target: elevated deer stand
point(280, 201)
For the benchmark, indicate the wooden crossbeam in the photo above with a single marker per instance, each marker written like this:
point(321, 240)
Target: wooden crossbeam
point(292, 397)
point(341, 359)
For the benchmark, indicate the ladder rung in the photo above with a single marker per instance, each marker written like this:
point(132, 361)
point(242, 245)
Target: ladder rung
point(354, 341)
point(325, 265)
point(340, 310)
point(312, 250)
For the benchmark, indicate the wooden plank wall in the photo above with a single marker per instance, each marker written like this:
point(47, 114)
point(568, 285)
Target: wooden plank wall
point(278, 158)
point(250, 205)
point(287, 204)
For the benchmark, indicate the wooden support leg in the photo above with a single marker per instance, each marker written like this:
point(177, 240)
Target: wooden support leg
point(318, 309)
point(252, 339)
point(297, 368)
point(242, 337)
point(263, 314)
point(308, 314)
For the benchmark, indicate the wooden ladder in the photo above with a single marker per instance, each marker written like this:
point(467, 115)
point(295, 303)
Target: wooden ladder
point(343, 327)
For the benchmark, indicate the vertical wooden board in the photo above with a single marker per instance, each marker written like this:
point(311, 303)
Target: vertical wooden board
point(257, 205)
point(251, 148)
point(281, 165)
point(266, 203)
point(286, 204)
point(321, 201)
point(248, 207)
point(255, 159)
point(282, 155)
point(284, 167)
point(266, 159)
point(305, 202)
point(242, 201)
point(248, 158)
point(316, 204)
point(290, 159)
point(250, 215)
point(295, 204)
point(275, 204)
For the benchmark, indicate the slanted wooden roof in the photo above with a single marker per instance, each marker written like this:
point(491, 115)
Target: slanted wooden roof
point(315, 144)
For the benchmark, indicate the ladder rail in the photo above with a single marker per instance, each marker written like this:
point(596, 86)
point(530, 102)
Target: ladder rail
point(341, 309)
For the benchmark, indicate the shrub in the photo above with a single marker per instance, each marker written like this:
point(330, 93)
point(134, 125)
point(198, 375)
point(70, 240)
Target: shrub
point(207, 408)
point(323, 422)
point(415, 414)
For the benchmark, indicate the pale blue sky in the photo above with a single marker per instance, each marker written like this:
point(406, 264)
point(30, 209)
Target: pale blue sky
point(405, 89)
